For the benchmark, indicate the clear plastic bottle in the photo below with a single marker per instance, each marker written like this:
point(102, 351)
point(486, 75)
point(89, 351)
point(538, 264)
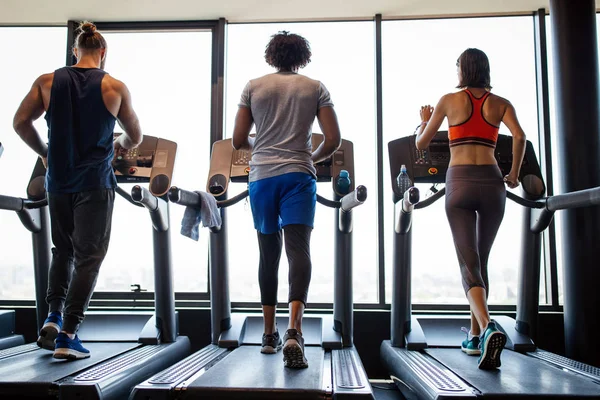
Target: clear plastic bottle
point(403, 180)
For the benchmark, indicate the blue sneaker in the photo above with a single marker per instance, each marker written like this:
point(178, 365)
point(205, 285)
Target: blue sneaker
point(470, 346)
point(49, 332)
point(492, 344)
point(69, 349)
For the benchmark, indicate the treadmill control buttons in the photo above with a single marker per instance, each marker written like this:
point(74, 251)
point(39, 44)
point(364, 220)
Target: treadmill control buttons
point(241, 157)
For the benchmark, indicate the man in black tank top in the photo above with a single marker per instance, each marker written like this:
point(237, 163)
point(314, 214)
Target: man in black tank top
point(82, 104)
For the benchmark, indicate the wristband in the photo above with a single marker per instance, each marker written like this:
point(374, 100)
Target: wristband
point(421, 124)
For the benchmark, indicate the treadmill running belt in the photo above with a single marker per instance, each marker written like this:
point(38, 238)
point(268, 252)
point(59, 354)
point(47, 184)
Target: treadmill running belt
point(39, 366)
point(519, 376)
point(247, 373)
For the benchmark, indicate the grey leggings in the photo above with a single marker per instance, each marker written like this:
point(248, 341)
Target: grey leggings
point(297, 248)
point(475, 200)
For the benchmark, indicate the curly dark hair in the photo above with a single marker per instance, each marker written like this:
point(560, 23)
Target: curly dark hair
point(287, 51)
point(475, 69)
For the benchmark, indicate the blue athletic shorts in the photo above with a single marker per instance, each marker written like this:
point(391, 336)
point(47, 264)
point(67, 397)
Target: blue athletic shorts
point(283, 200)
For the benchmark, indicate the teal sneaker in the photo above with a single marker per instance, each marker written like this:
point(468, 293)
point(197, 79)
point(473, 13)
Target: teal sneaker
point(470, 346)
point(492, 344)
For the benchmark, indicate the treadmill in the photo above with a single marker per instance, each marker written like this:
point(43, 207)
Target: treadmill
point(33, 213)
point(126, 347)
point(232, 366)
point(423, 355)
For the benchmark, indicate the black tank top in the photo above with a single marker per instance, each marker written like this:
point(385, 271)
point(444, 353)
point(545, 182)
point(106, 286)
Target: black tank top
point(80, 133)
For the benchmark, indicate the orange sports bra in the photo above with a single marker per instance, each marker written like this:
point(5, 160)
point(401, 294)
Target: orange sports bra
point(475, 130)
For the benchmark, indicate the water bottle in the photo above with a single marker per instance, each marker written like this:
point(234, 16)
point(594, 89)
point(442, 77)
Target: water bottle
point(342, 183)
point(403, 180)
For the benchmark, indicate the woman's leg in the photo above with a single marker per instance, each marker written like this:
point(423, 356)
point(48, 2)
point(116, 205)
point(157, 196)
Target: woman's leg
point(461, 205)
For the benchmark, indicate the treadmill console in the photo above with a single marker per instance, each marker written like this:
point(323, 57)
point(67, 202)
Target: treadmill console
point(152, 161)
point(228, 164)
point(431, 164)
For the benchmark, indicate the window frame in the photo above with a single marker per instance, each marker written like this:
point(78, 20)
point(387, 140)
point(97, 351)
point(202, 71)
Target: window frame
point(218, 29)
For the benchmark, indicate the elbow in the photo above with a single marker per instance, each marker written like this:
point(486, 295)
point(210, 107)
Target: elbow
point(419, 145)
point(138, 140)
point(19, 124)
point(520, 137)
point(338, 143)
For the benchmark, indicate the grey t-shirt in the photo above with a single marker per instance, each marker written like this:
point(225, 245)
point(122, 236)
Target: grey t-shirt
point(284, 106)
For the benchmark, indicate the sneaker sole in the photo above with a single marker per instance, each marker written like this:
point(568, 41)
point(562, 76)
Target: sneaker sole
point(69, 354)
point(48, 335)
point(293, 356)
point(471, 352)
point(270, 349)
point(490, 359)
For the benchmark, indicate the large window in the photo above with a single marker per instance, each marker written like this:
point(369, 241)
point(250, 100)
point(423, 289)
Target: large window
point(168, 75)
point(20, 67)
point(343, 59)
point(419, 59)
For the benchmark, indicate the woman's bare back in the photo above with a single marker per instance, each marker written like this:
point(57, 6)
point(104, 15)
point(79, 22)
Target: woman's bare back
point(459, 109)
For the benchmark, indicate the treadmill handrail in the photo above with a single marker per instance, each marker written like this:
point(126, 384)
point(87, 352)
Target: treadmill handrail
point(516, 198)
point(17, 204)
point(525, 202)
point(10, 203)
point(579, 198)
point(192, 199)
point(348, 202)
point(33, 204)
point(327, 202)
point(353, 199)
point(431, 199)
point(126, 196)
point(143, 196)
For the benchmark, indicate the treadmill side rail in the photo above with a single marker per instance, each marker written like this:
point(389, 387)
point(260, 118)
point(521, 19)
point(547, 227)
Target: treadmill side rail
point(115, 378)
point(161, 385)
point(516, 340)
point(349, 377)
point(421, 376)
point(329, 337)
point(415, 338)
point(233, 337)
point(589, 371)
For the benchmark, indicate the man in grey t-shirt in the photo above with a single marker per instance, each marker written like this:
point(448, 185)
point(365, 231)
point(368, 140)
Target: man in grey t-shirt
point(282, 187)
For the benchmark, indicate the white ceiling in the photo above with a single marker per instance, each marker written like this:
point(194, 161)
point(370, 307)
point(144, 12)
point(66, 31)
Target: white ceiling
point(59, 11)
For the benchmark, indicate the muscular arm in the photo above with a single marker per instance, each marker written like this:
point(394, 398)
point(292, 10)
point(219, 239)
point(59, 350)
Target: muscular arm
point(31, 108)
point(331, 133)
point(512, 123)
point(426, 132)
point(128, 120)
point(241, 129)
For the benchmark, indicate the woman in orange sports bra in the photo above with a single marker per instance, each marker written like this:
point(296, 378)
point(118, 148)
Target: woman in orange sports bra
point(475, 192)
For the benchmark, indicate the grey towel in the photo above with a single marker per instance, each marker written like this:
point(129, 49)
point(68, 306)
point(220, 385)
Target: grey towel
point(208, 213)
